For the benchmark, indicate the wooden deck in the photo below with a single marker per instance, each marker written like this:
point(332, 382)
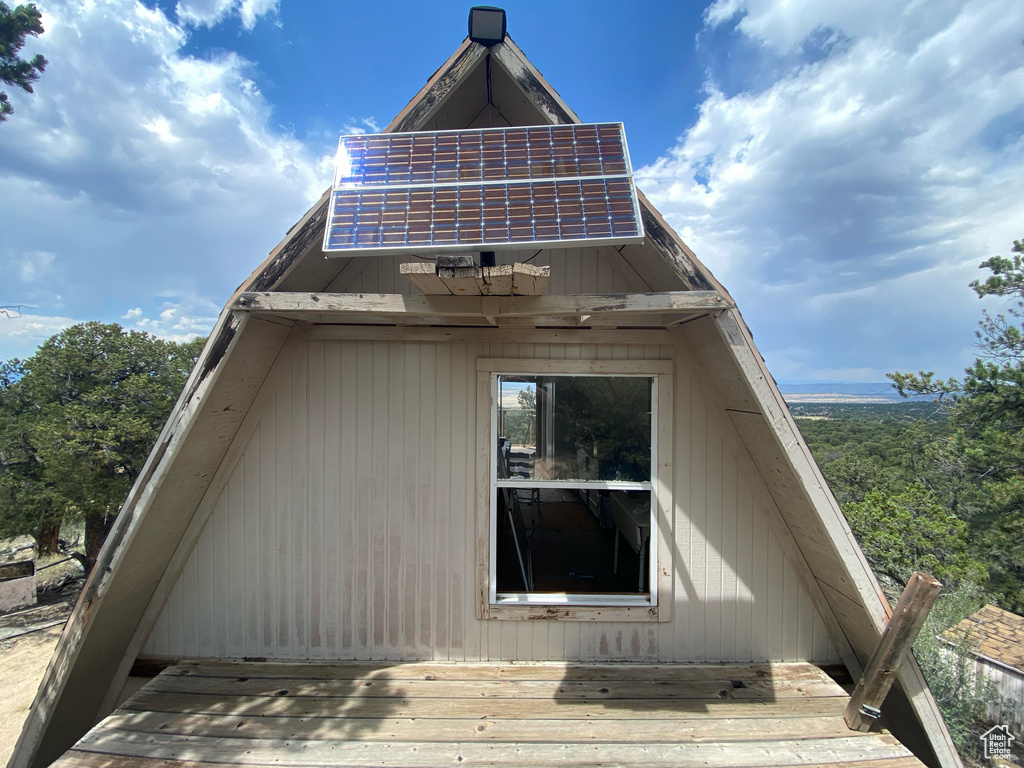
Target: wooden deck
point(199, 714)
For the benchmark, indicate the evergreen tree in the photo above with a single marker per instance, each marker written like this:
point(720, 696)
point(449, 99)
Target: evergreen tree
point(79, 418)
point(15, 26)
point(985, 451)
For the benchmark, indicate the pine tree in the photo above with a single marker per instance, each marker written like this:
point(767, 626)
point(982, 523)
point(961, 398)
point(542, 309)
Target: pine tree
point(15, 26)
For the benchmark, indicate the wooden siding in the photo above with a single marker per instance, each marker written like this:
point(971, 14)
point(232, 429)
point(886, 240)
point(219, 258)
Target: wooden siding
point(1007, 687)
point(345, 529)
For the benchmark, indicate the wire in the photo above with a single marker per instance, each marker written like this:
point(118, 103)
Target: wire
point(13, 311)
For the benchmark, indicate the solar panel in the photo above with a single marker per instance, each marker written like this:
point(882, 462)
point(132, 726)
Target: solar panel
point(483, 189)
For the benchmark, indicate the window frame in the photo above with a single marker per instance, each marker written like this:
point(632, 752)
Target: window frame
point(653, 605)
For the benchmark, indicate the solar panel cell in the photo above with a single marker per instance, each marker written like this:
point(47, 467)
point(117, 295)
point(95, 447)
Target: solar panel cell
point(544, 184)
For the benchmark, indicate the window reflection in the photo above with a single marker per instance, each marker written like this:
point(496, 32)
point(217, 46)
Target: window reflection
point(575, 428)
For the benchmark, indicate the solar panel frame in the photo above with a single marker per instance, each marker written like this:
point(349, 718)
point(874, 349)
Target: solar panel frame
point(482, 189)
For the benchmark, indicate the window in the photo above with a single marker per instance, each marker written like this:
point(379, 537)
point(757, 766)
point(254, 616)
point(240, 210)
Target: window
point(572, 459)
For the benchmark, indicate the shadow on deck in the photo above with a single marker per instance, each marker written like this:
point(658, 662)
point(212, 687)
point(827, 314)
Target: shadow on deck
point(201, 714)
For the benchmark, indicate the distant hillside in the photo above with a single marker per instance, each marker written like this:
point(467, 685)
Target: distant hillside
point(922, 410)
point(841, 392)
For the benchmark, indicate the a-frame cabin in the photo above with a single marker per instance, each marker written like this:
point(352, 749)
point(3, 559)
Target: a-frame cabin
point(327, 489)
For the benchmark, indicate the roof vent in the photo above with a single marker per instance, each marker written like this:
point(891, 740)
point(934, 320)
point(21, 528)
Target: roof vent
point(486, 25)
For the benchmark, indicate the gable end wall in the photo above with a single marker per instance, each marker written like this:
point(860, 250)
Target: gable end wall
point(347, 528)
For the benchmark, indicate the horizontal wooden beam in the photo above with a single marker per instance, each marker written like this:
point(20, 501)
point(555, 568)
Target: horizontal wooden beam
point(649, 321)
point(481, 306)
point(471, 335)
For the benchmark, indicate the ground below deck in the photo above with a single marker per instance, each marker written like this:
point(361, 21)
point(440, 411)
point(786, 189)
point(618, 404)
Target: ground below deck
point(475, 714)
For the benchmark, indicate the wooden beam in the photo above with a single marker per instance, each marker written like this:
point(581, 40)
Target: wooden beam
point(480, 306)
point(87, 661)
point(278, 371)
point(460, 274)
point(529, 279)
point(496, 280)
point(472, 280)
point(424, 276)
point(532, 83)
point(908, 618)
point(438, 88)
point(437, 334)
point(562, 322)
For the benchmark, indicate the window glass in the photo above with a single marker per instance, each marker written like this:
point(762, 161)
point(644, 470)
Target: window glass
point(572, 491)
point(576, 428)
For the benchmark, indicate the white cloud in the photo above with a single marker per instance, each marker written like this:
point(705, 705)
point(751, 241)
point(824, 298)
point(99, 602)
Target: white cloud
point(252, 10)
point(145, 127)
point(35, 265)
point(175, 320)
point(355, 126)
point(21, 332)
point(881, 163)
point(786, 26)
point(158, 171)
point(20, 335)
point(211, 12)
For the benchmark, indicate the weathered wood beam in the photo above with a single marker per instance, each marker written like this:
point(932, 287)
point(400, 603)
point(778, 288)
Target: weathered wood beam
point(480, 306)
point(460, 281)
point(911, 611)
point(438, 88)
point(496, 280)
point(533, 84)
point(479, 334)
point(424, 276)
point(597, 322)
point(529, 279)
point(470, 279)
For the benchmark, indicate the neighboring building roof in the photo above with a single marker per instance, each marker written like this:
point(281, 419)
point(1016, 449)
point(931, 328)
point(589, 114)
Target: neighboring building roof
point(993, 633)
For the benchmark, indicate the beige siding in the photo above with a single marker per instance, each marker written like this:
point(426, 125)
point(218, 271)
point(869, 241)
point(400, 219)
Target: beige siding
point(346, 528)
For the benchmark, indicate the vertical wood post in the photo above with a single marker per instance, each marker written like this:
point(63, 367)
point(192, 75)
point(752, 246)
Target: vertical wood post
point(911, 610)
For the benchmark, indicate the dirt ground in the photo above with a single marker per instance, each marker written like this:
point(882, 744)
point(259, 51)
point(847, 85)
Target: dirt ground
point(23, 661)
point(28, 636)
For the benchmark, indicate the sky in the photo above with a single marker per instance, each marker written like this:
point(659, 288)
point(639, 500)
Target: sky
point(842, 166)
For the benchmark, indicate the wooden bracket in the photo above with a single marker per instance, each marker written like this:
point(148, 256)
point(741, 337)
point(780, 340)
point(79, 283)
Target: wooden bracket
point(911, 610)
point(455, 275)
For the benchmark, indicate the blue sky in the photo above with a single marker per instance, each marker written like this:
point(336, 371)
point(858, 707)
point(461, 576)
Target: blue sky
point(842, 166)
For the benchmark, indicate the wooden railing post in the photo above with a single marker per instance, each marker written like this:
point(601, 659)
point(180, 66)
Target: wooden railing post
point(911, 610)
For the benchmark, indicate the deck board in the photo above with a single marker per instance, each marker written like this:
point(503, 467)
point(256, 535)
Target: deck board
point(426, 729)
point(337, 715)
point(603, 690)
point(377, 707)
